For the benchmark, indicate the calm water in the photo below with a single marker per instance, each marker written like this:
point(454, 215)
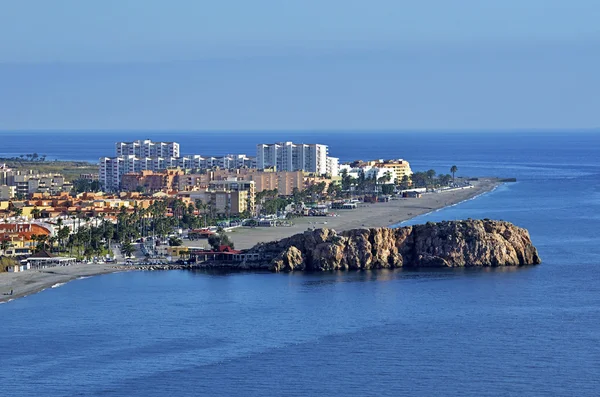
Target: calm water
point(531, 331)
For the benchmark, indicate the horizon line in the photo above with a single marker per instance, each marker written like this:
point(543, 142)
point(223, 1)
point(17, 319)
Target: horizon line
point(310, 130)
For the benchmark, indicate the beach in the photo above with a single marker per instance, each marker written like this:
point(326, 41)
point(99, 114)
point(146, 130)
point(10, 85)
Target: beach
point(366, 215)
point(33, 281)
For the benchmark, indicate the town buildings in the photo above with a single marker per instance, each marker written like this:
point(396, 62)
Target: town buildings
point(226, 197)
point(394, 170)
point(289, 156)
point(283, 181)
point(137, 156)
point(151, 181)
point(147, 148)
point(400, 167)
point(17, 183)
point(19, 238)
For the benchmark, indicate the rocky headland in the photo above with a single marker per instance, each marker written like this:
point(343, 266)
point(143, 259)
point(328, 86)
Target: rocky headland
point(469, 243)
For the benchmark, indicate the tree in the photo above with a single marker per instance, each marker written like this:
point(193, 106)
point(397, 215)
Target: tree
point(175, 242)
point(4, 245)
point(405, 182)
point(387, 189)
point(453, 170)
point(218, 239)
point(419, 179)
point(63, 234)
point(127, 249)
point(35, 212)
point(430, 176)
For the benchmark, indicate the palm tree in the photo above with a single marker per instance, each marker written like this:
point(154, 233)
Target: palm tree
point(127, 249)
point(35, 212)
point(52, 241)
point(4, 245)
point(453, 170)
point(18, 212)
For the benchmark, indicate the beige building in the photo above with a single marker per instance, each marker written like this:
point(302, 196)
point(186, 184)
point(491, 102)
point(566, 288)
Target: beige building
point(283, 181)
point(236, 195)
point(400, 167)
point(226, 197)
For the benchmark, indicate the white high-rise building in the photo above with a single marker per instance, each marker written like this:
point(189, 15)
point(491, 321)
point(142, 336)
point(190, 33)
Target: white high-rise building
point(112, 169)
point(333, 166)
point(147, 148)
point(289, 156)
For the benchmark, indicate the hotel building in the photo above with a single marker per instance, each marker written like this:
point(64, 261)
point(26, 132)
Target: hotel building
point(289, 156)
point(137, 156)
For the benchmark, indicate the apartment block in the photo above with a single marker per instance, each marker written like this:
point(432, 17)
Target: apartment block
point(289, 156)
point(151, 181)
point(226, 197)
point(7, 192)
point(23, 183)
point(147, 148)
point(112, 169)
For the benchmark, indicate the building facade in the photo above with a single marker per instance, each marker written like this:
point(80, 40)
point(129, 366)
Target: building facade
point(24, 183)
point(147, 148)
point(138, 156)
point(289, 156)
point(284, 181)
point(151, 181)
point(226, 197)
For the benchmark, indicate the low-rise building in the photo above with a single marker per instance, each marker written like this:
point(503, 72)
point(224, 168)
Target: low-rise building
point(24, 183)
point(18, 238)
point(7, 192)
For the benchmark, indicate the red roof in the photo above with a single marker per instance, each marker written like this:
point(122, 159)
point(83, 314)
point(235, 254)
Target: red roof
point(228, 249)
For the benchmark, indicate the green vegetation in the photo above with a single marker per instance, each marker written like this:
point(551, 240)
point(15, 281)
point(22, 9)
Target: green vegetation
point(86, 185)
point(453, 171)
point(429, 179)
point(218, 239)
point(5, 262)
point(71, 170)
point(175, 242)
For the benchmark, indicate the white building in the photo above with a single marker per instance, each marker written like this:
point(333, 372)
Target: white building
point(112, 169)
point(147, 148)
point(289, 156)
point(333, 166)
point(370, 172)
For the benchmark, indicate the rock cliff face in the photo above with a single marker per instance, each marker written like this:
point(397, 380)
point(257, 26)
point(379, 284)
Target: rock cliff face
point(444, 244)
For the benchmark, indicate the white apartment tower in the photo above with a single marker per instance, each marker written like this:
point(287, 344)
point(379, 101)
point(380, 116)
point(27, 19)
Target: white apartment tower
point(289, 156)
point(147, 148)
point(145, 155)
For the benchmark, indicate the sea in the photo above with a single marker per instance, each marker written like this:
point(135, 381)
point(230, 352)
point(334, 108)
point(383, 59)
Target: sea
point(530, 331)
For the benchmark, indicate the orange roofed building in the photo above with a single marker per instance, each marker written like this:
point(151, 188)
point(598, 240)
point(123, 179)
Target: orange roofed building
point(19, 237)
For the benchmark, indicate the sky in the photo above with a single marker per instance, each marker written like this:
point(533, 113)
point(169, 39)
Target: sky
point(299, 65)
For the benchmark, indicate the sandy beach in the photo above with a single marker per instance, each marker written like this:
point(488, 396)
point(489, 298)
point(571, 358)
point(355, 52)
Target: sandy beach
point(367, 215)
point(33, 281)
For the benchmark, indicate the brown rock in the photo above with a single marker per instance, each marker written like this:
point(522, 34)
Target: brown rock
point(444, 244)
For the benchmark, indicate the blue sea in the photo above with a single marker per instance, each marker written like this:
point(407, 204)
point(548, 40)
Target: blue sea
point(532, 331)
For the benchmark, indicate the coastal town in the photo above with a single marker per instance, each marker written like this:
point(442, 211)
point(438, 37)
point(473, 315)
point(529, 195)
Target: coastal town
point(148, 204)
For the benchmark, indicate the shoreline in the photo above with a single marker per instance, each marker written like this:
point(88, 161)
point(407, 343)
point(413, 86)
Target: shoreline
point(31, 282)
point(390, 214)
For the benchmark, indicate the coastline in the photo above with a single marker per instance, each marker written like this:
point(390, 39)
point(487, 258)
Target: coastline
point(31, 282)
point(390, 214)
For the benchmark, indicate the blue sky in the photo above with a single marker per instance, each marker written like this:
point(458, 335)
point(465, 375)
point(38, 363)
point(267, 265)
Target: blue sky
point(275, 64)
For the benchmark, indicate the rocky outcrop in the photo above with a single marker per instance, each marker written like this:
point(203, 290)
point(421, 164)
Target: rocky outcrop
point(445, 244)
